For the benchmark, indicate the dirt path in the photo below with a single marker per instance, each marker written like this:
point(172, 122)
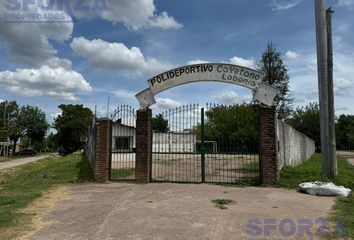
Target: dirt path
point(177, 211)
point(347, 155)
point(20, 161)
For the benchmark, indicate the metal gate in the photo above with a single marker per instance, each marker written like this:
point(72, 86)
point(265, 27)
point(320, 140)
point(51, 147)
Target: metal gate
point(213, 144)
point(122, 164)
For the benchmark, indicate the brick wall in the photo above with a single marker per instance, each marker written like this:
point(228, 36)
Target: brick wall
point(268, 145)
point(103, 143)
point(143, 146)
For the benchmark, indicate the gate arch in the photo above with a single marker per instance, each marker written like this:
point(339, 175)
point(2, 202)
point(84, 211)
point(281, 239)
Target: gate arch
point(215, 72)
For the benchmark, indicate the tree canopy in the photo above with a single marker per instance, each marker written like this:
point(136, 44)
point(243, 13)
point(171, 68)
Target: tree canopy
point(345, 132)
point(17, 122)
point(160, 124)
point(72, 126)
point(307, 120)
point(276, 74)
point(232, 127)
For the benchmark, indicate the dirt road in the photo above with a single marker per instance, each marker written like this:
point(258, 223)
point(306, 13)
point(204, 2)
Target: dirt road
point(177, 211)
point(20, 161)
point(347, 155)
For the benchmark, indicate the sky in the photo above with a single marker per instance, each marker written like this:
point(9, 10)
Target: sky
point(95, 49)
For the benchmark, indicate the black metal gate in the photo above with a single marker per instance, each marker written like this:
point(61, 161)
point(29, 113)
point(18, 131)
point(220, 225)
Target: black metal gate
point(214, 144)
point(122, 164)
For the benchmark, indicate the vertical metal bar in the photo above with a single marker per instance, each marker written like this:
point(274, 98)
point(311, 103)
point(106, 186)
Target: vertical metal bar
point(331, 116)
point(202, 149)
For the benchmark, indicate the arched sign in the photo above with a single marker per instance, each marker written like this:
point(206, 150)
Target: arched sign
point(215, 72)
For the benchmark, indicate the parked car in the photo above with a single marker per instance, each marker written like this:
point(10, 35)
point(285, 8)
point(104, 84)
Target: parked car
point(64, 151)
point(26, 152)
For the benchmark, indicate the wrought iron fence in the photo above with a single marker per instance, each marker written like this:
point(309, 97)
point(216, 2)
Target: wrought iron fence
point(216, 143)
point(122, 164)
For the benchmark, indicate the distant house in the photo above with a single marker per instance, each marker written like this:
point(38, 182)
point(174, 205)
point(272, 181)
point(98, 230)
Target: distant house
point(124, 140)
point(6, 148)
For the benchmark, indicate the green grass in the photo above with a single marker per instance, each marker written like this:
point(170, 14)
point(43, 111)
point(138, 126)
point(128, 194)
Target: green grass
point(311, 170)
point(4, 159)
point(21, 186)
point(223, 203)
point(123, 173)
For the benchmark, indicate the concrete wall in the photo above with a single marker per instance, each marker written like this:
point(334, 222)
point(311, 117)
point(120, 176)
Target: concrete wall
point(174, 142)
point(294, 147)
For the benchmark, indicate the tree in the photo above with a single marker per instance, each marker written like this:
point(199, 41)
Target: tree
point(307, 120)
point(72, 126)
point(17, 122)
point(8, 111)
point(160, 124)
point(232, 127)
point(51, 142)
point(345, 132)
point(276, 74)
point(32, 122)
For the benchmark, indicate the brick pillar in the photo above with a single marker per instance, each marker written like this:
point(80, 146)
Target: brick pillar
point(268, 144)
point(103, 150)
point(143, 146)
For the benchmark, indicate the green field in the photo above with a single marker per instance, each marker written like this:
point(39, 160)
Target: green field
point(311, 171)
point(22, 186)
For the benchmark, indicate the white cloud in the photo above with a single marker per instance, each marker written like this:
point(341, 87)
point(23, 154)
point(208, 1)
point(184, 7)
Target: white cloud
point(105, 55)
point(135, 14)
point(165, 22)
point(28, 43)
point(165, 104)
point(231, 97)
point(250, 63)
point(279, 5)
point(124, 94)
point(2, 100)
point(197, 61)
point(342, 86)
point(345, 3)
point(55, 115)
point(290, 55)
point(59, 83)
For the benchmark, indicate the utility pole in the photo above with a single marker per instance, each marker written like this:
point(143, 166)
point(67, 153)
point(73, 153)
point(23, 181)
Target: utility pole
point(325, 91)
point(331, 116)
point(6, 148)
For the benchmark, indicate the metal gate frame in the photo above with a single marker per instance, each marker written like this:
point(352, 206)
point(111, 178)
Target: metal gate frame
point(122, 147)
point(248, 173)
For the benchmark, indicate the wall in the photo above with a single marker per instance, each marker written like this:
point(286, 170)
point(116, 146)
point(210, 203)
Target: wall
point(294, 147)
point(174, 142)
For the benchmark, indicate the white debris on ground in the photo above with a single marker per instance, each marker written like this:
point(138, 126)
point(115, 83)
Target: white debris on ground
point(324, 189)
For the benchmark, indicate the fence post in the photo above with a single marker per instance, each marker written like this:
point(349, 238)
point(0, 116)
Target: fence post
point(103, 150)
point(268, 144)
point(143, 146)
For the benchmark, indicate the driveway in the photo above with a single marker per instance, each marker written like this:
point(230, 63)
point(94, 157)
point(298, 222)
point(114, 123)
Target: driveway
point(20, 161)
point(347, 155)
point(176, 211)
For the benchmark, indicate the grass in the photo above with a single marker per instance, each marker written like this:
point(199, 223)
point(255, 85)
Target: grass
point(4, 159)
point(223, 203)
point(123, 173)
point(311, 170)
point(22, 186)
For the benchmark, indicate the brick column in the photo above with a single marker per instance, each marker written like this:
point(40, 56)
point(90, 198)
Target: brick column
point(268, 145)
point(103, 150)
point(143, 146)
